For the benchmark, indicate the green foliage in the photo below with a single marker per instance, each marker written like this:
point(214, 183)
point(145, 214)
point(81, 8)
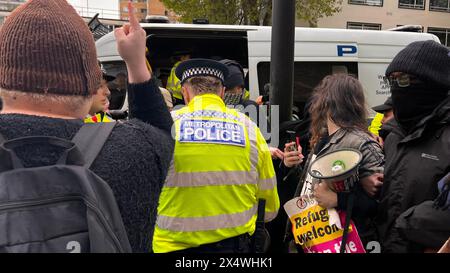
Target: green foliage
point(248, 12)
point(312, 10)
point(217, 12)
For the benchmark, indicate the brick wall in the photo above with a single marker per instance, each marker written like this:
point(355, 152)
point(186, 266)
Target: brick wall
point(140, 7)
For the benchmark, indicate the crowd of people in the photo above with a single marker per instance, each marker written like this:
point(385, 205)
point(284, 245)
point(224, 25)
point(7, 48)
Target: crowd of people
point(202, 179)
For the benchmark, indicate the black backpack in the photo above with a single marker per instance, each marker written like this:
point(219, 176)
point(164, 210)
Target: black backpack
point(63, 208)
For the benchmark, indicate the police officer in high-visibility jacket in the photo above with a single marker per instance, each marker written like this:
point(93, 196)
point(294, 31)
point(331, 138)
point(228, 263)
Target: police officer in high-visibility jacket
point(173, 82)
point(380, 126)
point(221, 167)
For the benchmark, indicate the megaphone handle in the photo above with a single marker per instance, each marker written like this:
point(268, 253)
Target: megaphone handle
point(348, 218)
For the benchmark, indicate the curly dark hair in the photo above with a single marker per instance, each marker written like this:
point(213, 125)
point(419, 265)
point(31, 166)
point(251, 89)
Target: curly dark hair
point(339, 97)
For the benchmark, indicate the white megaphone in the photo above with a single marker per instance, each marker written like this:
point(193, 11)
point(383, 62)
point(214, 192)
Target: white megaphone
point(339, 169)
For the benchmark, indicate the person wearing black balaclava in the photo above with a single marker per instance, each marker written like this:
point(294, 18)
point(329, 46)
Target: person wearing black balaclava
point(417, 146)
point(234, 91)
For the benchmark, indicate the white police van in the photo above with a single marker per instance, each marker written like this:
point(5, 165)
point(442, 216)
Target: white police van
point(318, 52)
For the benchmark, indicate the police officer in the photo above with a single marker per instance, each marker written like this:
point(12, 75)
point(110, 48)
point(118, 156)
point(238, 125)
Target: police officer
point(386, 109)
point(385, 112)
point(173, 82)
point(221, 168)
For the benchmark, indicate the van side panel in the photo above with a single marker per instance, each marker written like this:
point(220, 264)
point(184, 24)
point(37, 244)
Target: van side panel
point(372, 50)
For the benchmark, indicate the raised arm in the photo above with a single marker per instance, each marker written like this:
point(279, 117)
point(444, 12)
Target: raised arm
point(144, 97)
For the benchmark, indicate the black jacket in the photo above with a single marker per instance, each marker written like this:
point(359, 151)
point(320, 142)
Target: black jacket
point(414, 165)
point(134, 160)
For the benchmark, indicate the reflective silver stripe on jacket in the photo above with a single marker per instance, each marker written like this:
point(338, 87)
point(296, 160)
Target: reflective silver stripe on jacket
point(199, 179)
point(267, 184)
point(269, 216)
point(190, 224)
point(251, 127)
point(222, 178)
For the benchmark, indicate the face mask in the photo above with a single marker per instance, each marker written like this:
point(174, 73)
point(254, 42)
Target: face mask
point(232, 99)
point(413, 103)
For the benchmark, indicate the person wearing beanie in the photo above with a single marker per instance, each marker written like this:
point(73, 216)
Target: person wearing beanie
point(48, 75)
point(235, 97)
point(418, 141)
point(235, 92)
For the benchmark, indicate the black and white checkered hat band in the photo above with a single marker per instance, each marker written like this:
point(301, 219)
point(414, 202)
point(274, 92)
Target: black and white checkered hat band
point(202, 71)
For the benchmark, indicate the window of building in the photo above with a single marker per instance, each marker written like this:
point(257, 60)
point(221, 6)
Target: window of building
point(144, 11)
point(440, 5)
point(411, 4)
point(378, 3)
point(363, 26)
point(442, 33)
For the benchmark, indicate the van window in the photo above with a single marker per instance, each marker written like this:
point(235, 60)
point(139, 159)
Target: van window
point(118, 87)
point(307, 75)
point(163, 44)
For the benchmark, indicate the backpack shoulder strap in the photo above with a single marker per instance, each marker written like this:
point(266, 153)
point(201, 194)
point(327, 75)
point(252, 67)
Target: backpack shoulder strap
point(91, 138)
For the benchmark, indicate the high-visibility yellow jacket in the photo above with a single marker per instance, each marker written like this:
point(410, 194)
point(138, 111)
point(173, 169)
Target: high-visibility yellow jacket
point(174, 84)
point(99, 117)
point(221, 167)
point(246, 94)
point(376, 124)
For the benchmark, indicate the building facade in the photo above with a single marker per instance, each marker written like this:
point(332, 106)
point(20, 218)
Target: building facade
point(156, 7)
point(140, 7)
point(145, 8)
point(432, 15)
